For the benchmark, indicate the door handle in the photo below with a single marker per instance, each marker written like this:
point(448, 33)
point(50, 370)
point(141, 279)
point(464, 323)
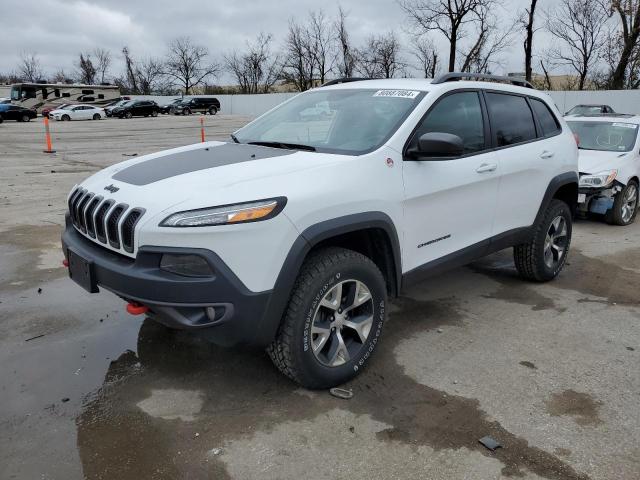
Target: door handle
point(546, 154)
point(486, 167)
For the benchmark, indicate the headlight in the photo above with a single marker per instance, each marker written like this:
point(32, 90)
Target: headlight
point(227, 214)
point(601, 179)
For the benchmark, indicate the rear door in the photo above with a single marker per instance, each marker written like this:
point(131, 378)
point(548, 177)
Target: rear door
point(524, 152)
point(450, 203)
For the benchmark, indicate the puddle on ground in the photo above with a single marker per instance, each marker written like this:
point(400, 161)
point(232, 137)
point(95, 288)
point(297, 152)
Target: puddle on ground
point(241, 393)
point(579, 405)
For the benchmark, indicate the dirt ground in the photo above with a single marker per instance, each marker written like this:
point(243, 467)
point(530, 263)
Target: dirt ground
point(87, 391)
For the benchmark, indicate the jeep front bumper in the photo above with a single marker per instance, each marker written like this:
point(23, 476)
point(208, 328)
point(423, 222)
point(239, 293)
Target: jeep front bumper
point(220, 305)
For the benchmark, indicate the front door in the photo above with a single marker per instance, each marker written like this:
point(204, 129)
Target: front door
point(450, 203)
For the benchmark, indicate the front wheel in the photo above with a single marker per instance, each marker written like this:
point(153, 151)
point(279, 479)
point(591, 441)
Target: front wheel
point(186, 111)
point(66, 118)
point(625, 205)
point(333, 321)
point(154, 113)
point(128, 115)
point(544, 256)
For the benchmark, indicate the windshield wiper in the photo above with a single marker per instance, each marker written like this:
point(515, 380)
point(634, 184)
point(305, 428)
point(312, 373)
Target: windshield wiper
point(234, 138)
point(286, 146)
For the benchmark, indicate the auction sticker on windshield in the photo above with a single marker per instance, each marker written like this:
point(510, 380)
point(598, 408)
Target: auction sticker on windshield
point(397, 93)
point(624, 125)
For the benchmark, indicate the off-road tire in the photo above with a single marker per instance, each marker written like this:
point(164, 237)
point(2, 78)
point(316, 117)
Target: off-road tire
point(614, 215)
point(529, 257)
point(291, 351)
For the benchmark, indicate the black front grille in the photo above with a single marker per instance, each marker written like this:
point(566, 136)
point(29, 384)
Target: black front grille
point(128, 228)
point(112, 225)
point(101, 232)
point(101, 219)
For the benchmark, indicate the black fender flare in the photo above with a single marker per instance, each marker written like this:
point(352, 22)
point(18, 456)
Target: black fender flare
point(309, 238)
point(555, 184)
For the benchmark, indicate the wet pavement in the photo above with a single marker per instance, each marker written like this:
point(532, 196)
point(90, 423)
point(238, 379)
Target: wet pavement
point(550, 371)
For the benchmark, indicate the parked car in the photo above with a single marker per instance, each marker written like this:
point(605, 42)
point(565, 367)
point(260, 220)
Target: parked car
point(196, 105)
point(78, 112)
point(16, 112)
point(166, 108)
point(48, 109)
point(589, 110)
point(4, 100)
point(108, 110)
point(136, 108)
point(295, 235)
point(609, 165)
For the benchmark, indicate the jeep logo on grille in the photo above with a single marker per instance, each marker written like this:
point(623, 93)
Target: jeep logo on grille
point(111, 188)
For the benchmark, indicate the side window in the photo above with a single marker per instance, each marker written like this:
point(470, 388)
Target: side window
point(547, 119)
point(511, 119)
point(100, 96)
point(66, 94)
point(87, 92)
point(57, 92)
point(45, 93)
point(458, 114)
point(29, 92)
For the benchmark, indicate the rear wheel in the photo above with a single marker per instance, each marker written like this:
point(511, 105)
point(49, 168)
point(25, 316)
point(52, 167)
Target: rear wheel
point(96, 116)
point(625, 205)
point(544, 256)
point(213, 111)
point(26, 118)
point(333, 321)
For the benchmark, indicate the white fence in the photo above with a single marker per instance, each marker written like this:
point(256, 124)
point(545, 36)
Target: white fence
point(624, 101)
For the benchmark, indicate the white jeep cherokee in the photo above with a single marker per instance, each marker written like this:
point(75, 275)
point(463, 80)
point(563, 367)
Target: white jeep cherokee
point(294, 235)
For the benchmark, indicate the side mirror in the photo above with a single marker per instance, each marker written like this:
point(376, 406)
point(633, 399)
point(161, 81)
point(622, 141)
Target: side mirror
point(437, 144)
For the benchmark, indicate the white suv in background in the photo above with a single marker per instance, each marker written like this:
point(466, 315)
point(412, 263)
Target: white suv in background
point(294, 235)
point(609, 164)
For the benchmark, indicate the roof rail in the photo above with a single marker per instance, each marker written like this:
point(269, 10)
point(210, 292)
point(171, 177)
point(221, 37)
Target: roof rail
point(454, 76)
point(344, 80)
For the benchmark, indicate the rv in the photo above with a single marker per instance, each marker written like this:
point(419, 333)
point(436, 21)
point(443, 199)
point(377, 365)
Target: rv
point(38, 95)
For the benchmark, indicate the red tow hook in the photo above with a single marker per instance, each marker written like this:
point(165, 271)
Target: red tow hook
point(65, 263)
point(136, 309)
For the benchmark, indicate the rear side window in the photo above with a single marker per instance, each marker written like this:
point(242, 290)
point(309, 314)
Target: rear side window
point(547, 119)
point(511, 119)
point(458, 114)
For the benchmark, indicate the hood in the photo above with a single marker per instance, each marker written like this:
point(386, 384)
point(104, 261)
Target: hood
point(595, 161)
point(208, 174)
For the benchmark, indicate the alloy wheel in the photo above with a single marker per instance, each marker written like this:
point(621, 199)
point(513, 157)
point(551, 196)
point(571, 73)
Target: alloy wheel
point(342, 323)
point(555, 242)
point(629, 203)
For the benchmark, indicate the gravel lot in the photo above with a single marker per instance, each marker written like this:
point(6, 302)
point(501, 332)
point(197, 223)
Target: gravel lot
point(550, 371)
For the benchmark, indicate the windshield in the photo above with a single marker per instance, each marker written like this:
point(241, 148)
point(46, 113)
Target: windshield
point(605, 136)
point(353, 121)
point(15, 93)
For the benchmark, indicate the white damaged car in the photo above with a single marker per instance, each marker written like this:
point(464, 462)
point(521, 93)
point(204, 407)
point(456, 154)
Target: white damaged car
point(609, 163)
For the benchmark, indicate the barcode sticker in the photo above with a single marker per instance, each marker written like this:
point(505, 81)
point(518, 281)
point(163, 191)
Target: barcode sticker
point(397, 93)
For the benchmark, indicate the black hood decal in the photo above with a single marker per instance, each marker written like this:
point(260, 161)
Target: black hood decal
point(160, 168)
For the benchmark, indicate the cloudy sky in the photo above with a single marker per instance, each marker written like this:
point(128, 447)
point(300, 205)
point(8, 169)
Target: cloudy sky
point(57, 30)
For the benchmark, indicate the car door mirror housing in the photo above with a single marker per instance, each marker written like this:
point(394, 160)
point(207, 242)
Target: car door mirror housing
point(437, 145)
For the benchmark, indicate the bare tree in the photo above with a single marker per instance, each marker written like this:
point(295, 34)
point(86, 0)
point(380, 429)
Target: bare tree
point(299, 62)
point(490, 41)
point(61, 77)
point(579, 28)
point(425, 53)
point(150, 75)
point(527, 23)
point(130, 81)
point(347, 60)
point(102, 63)
point(449, 17)
point(322, 44)
point(256, 70)
point(86, 70)
point(29, 68)
point(547, 78)
point(380, 57)
point(626, 42)
point(188, 64)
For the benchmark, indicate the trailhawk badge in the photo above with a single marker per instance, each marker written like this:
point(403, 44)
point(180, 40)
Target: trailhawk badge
point(111, 188)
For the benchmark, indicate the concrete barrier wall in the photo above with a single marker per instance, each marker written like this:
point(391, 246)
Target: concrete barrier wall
point(624, 101)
